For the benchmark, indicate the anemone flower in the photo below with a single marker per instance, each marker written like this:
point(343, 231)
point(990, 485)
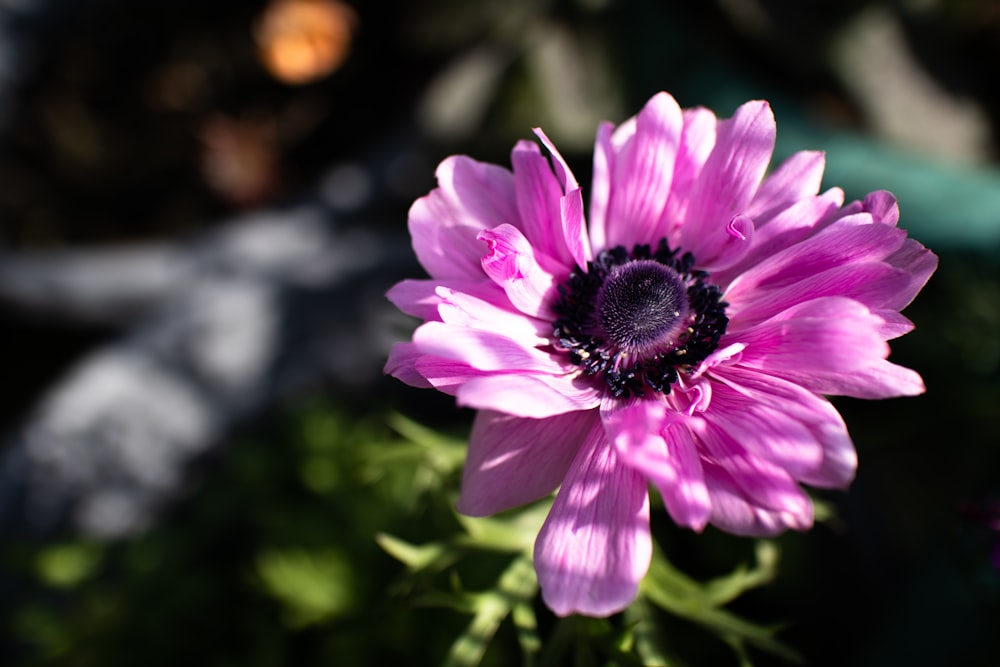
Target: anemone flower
point(682, 332)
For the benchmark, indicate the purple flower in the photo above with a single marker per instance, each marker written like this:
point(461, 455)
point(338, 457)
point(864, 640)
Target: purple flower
point(683, 333)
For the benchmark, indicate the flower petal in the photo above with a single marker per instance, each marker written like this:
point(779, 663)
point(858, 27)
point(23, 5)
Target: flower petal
point(461, 308)
point(513, 461)
point(643, 171)
point(600, 189)
point(534, 396)
point(402, 365)
point(874, 284)
point(830, 345)
point(697, 141)
point(658, 444)
point(574, 225)
point(729, 179)
point(734, 513)
point(762, 483)
point(595, 547)
point(538, 201)
point(512, 264)
point(471, 196)
point(798, 177)
point(783, 423)
point(483, 350)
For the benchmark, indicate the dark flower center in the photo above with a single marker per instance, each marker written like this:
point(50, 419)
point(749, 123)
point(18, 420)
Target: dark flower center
point(639, 318)
point(641, 304)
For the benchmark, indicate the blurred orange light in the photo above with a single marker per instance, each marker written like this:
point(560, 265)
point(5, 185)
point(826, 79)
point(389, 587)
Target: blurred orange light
point(300, 41)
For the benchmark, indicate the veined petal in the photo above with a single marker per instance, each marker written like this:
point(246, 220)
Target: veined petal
point(643, 172)
point(734, 513)
point(471, 196)
point(874, 284)
point(729, 179)
point(797, 178)
point(848, 241)
point(697, 141)
point(595, 547)
point(483, 350)
point(830, 345)
point(512, 264)
point(402, 365)
point(538, 201)
point(782, 229)
point(783, 423)
point(463, 309)
point(574, 225)
point(600, 189)
point(421, 298)
point(513, 461)
point(652, 439)
point(535, 395)
point(762, 483)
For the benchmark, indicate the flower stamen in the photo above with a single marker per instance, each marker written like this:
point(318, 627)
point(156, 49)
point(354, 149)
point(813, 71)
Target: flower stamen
point(639, 318)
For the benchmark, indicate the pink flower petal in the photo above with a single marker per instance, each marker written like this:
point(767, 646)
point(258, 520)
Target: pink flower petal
point(595, 547)
point(734, 513)
point(783, 423)
point(729, 179)
point(402, 365)
point(883, 207)
point(513, 461)
point(643, 171)
point(483, 350)
point(874, 284)
point(843, 243)
point(697, 141)
point(471, 196)
point(762, 483)
point(463, 309)
point(600, 189)
point(830, 345)
point(659, 445)
point(534, 396)
point(797, 178)
point(574, 225)
point(538, 201)
point(512, 264)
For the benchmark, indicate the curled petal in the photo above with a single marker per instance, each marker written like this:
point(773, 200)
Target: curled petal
point(538, 201)
point(471, 196)
point(512, 264)
point(595, 547)
point(513, 461)
point(573, 223)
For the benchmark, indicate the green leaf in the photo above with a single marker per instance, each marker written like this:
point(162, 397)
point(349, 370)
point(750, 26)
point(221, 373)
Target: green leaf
point(311, 585)
point(677, 593)
point(512, 532)
point(516, 585)
point(434, 556)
